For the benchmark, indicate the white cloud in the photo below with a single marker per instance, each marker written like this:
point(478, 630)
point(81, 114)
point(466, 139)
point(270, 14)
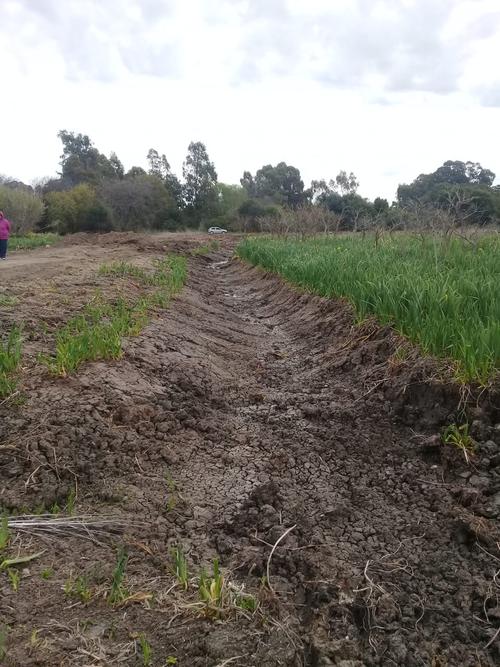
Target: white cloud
point(386, 88)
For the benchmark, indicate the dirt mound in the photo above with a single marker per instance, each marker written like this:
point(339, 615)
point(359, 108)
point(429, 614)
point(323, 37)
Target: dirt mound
point(259, 425)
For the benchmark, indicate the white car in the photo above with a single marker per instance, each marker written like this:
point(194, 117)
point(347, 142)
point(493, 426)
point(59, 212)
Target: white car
point(217, 230)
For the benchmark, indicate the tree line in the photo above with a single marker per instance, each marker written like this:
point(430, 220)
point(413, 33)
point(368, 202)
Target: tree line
point(94, 193)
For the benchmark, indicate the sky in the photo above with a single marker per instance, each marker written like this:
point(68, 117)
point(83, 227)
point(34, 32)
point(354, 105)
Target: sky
point(387, 89)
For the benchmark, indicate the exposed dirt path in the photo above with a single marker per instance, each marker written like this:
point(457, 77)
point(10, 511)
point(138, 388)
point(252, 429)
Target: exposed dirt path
point(245, 411)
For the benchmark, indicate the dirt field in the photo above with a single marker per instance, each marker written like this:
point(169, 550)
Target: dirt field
point(243, 414)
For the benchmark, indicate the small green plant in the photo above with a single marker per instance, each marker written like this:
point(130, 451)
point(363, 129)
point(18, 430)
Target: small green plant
point(54, 509)
point(459, 437)
point(181, 568)
point(4, 532)
point(6, 301)
point(212, 589)
point(70, 502)
point(34, 638)
point(201, 250)
point(47, 573)
point(118, 592)
point(4, 631)
point(14, 578)
point(146, 651)
point(78, 588)
point(171, 660)
point(246, 602)
point(10, 358)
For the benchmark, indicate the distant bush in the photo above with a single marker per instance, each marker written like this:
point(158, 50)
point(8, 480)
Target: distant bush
point(22, 207)
point(76, 210)
point(303, 221)
point(140, 202)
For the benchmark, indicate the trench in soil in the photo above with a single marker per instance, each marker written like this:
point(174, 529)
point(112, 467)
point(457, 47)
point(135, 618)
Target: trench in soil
point(245, 411)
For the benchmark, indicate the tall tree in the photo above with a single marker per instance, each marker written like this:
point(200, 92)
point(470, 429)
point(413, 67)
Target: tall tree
point(158, 164)
point(281, 184)
point(464, 189)
point(116, 165)
point(200, 181)
point(81, 162)
point(160, 168)
point(347, 184)
point(247, 181)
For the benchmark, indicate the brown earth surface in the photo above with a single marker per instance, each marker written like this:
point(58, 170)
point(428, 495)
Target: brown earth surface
point(257, 425)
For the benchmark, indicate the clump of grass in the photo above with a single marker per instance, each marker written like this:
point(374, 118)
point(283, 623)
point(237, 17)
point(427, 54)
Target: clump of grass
point(180, 568)
point(220, 596)
point(441, 294)
point(4, 631)
point(217, 595)
point(11, 567)
point(207, 248)
point(459, 436)
point(31, 241)
point(10, 358)
point(70, 502)
point(200, 250)
point(146, 650)
point(4, 532)
point(7, 301)
point(97, 333)
point(165, 272)
point(14, 579)
point(247, 602)
point(118, 593)
point(78, 588)
point(122, 270)
point(211, 589)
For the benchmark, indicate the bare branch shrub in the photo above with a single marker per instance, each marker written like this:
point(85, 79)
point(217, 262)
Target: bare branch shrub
point(303, 221)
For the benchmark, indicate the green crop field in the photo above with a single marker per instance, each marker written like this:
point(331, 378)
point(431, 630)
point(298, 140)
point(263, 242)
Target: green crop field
point(443, 294)
point(32, 241)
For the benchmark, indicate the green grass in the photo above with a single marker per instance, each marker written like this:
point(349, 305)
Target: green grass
point(10, 358)
point(146, 650)
point(124, 270)
point(458, 436)
point(78, 588)
point(118, 592)
point(7, 301)
point(169, 271)
point(180, 568)
point(206, 249)
point(443, 295)
point(98, 332)
point(31, 241)
point(4, 532)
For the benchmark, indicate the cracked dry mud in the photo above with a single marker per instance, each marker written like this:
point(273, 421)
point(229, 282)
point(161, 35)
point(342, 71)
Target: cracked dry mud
point(244, 410)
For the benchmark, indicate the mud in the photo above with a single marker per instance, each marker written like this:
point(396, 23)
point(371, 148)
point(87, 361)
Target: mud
point(245, 411)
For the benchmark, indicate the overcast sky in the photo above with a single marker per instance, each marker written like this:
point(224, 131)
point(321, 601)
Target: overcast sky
point(385, 88)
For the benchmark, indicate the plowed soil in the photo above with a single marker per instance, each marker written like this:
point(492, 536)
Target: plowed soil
point(257, 425)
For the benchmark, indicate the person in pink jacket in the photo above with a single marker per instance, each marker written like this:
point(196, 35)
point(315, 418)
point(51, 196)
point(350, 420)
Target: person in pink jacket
point(4, 235)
